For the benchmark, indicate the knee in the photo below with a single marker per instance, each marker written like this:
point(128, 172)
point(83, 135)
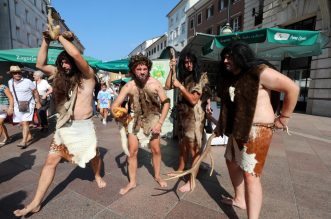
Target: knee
point(251, 179)
point(134, 153)
point(51, 162)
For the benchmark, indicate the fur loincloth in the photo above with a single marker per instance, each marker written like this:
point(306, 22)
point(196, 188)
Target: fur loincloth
point(251, 156)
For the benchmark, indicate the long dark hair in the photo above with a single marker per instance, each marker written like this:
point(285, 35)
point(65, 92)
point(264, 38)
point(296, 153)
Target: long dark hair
point(65, 82)
point(244, 58)
point(183, 73)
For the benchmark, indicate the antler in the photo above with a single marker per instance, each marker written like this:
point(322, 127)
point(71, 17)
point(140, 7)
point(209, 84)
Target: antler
point(54, 31)
point(196, 164)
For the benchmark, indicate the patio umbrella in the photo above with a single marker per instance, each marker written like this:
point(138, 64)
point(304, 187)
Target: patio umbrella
point(118, 81)
point(29, 56)
point(268, 43)
point(115, 66)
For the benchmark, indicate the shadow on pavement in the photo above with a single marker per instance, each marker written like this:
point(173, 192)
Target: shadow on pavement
point(14, 165)
point(12, 202)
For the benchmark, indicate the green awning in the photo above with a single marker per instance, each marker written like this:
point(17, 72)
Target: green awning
point(118, 81)
point(268, 43)
point(115, 66)
point(29, 56)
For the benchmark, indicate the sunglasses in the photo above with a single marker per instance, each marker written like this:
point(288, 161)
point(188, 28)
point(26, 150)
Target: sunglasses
point(16, 73)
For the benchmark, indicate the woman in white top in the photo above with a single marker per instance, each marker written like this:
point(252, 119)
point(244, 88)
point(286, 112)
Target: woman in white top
point(44, 90)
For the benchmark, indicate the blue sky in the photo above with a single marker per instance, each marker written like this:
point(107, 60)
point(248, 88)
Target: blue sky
point(111, 29)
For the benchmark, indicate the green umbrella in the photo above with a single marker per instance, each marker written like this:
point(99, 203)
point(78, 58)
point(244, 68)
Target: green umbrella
point(115, 66)
point(118, 81)
point(29, 56)
point(268, 43)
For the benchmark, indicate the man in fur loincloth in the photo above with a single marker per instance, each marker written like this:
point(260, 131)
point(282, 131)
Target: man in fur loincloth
point(74, 138)
point(150, 107)
point(248, 118)
point(193, 102)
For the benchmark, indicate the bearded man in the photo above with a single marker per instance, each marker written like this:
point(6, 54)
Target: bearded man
point(150, 107)
point(74, 138)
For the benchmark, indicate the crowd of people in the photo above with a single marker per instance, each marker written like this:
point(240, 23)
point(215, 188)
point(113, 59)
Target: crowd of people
point(248, 115)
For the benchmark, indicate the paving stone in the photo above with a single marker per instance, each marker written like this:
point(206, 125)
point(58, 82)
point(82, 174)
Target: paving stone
point(186, 209)
point(106, 214)
point(309, 197)
point(273, 208)
point(306, 162)
point(308, 213)
point(71, 205)
point(144, 202)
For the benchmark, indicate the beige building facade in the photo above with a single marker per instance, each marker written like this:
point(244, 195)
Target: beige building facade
point(312, 74)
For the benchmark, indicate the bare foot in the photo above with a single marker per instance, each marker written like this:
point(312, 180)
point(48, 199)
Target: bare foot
point(161, 182)
point(100, 182)
point(28, 209)
point(175, 173)
point(232, 202)
point(186, 187)
point(127, 188)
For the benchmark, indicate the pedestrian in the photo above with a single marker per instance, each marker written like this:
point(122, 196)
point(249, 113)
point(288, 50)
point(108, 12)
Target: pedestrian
point(26, 98)
point(104, 99)
point(193, 102)
point(248, 118)
point(6, 109)
point(74, 138)
point(150, 107)
point(44, 91)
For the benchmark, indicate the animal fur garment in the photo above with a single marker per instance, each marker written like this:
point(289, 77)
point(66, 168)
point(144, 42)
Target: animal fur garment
point(121, 115)
point(237, 116)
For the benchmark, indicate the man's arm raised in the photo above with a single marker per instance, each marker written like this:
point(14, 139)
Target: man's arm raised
point(42, 58)
point(75, 54)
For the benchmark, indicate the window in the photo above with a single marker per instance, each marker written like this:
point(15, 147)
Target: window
point(18, 33)
point(209, 31)
point(236, 23)
point(191, 23)
point(161, 45)
point(183, 28)
point(165, 44)
point(158, 47)
point(209, 12)
point(16, 9)
point(36, 23)
point(26, 16)
point(28, 38)
point(177, 31)
point(171, 21)
point(222, 4)
point(199, 18)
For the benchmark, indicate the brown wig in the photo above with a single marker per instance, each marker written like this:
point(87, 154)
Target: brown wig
point(139, 59)
point(65, 82)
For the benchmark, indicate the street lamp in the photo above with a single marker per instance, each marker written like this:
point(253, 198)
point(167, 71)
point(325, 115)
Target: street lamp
point(226, 29)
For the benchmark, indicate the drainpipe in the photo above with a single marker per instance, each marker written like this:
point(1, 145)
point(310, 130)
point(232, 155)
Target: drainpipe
point(10, 27)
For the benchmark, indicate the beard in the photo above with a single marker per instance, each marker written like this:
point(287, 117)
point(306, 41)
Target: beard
point(142, 79)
